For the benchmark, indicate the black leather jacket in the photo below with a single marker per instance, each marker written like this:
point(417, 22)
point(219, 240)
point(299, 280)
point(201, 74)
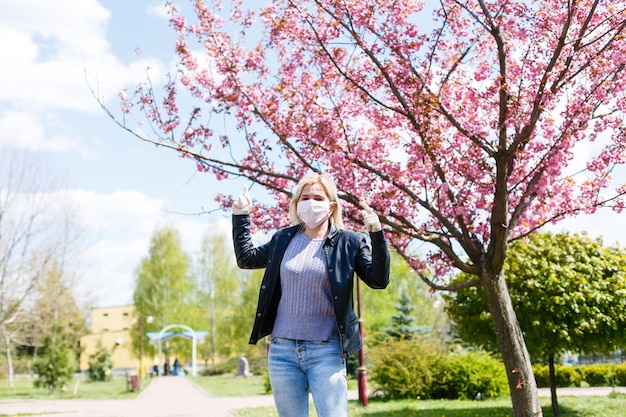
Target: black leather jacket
point(346, 252)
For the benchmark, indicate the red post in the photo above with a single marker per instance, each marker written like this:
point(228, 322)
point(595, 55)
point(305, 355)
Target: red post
point(361, 370)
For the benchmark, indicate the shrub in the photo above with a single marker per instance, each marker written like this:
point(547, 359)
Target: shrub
point(258, 364)
point(401, 368)
point(599, 375)
point(100, 364)
point(468, 375)
point(225, 367)
point(56, 362)
point(620, 375)
point(542, 375)
point(566, 376)
point(267, 385)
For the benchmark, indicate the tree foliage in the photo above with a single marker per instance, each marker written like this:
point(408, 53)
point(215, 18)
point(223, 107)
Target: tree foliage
point(38, 236)
point(569, 293)
point(100, 364)
point(402, 324)
point(457, 122)
point(56, 363)
point(163, 288)
point(209, 294)
point(378, 306)
point(54, 303)
point(220, 285)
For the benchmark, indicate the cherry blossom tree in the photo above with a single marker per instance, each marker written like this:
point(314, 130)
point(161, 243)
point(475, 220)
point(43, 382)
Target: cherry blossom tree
point(465, 124)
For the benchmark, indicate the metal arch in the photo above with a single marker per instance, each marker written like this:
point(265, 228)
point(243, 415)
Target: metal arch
point(193, 348)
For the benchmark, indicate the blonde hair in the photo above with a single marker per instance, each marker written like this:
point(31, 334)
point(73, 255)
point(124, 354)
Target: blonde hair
point(331, 192)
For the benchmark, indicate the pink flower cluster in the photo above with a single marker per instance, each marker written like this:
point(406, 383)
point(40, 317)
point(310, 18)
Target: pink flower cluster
point(459, 125)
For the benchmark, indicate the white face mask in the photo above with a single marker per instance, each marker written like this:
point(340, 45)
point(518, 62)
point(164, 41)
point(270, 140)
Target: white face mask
point(313, 212)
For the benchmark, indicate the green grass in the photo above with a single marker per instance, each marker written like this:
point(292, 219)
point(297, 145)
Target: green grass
point(228, 385)
point(114, 389)
point(612, 406)
point(231, 386)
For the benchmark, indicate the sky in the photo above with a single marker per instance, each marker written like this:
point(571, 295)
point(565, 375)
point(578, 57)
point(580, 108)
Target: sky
point(54, 54)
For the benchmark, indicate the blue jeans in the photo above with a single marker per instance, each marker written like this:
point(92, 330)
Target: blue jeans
point(296, 366)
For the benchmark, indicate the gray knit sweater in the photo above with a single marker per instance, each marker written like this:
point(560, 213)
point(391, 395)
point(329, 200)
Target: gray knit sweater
point(305, 311)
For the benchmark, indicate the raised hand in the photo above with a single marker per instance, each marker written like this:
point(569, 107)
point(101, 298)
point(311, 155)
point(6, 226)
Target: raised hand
point(243, 204)
point(372, 223)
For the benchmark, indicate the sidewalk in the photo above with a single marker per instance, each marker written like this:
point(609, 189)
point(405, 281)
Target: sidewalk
point(178, 397)
point(165, 397)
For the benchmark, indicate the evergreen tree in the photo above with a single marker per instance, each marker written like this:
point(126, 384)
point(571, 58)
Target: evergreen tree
point(402, 326)
point(56, 363)
point(100, 364)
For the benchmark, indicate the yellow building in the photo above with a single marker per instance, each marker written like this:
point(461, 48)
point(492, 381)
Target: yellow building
point(111, 326)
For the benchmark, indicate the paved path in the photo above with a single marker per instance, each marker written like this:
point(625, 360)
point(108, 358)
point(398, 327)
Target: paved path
point(177, 397)
point(164, 397)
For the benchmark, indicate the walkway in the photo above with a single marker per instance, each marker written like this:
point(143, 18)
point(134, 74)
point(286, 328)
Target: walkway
point(176, 397)
point(164, 397)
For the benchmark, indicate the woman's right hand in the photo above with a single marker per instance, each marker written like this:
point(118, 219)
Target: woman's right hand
point(243, 204)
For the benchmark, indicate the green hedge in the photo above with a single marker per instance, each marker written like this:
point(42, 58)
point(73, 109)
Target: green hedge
point(620, 375)
point(419, 369)
point(566, 376)
point(402, 368)
point(597, 375)
point(468, 375)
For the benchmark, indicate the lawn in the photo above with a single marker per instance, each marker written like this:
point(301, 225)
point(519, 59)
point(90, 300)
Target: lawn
point(611, 406)
point(114, 389)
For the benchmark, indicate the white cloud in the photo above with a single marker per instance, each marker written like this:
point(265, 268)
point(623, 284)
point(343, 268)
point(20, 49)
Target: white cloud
point(54, 52)
point(158, 9)
point(119, 227)
point(605, 223)
point(49, 43)
point(55, 49)
point(25, 129)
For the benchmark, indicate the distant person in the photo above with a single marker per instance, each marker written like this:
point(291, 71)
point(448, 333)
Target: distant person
point(305, 300)
point(176, 367)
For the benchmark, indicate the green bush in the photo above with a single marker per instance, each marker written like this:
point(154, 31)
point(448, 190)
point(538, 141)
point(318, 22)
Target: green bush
point(542, 375)
point(258, 364)
point(267, 385)
point(401, 368)
point(599, 375)
point(225, 367)
point(620, 375)
point(418, 369)
point(468, 375)
point(100, 364)
point(566, 376)
point(56, 362)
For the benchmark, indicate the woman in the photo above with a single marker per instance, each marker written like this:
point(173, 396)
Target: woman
point(305, 300)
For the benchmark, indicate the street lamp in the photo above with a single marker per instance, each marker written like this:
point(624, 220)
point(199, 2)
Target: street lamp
point(361, 370)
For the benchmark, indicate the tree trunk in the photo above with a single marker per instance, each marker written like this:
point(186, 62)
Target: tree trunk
point(9, 362)
point(522, 385)
point(556, 410)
